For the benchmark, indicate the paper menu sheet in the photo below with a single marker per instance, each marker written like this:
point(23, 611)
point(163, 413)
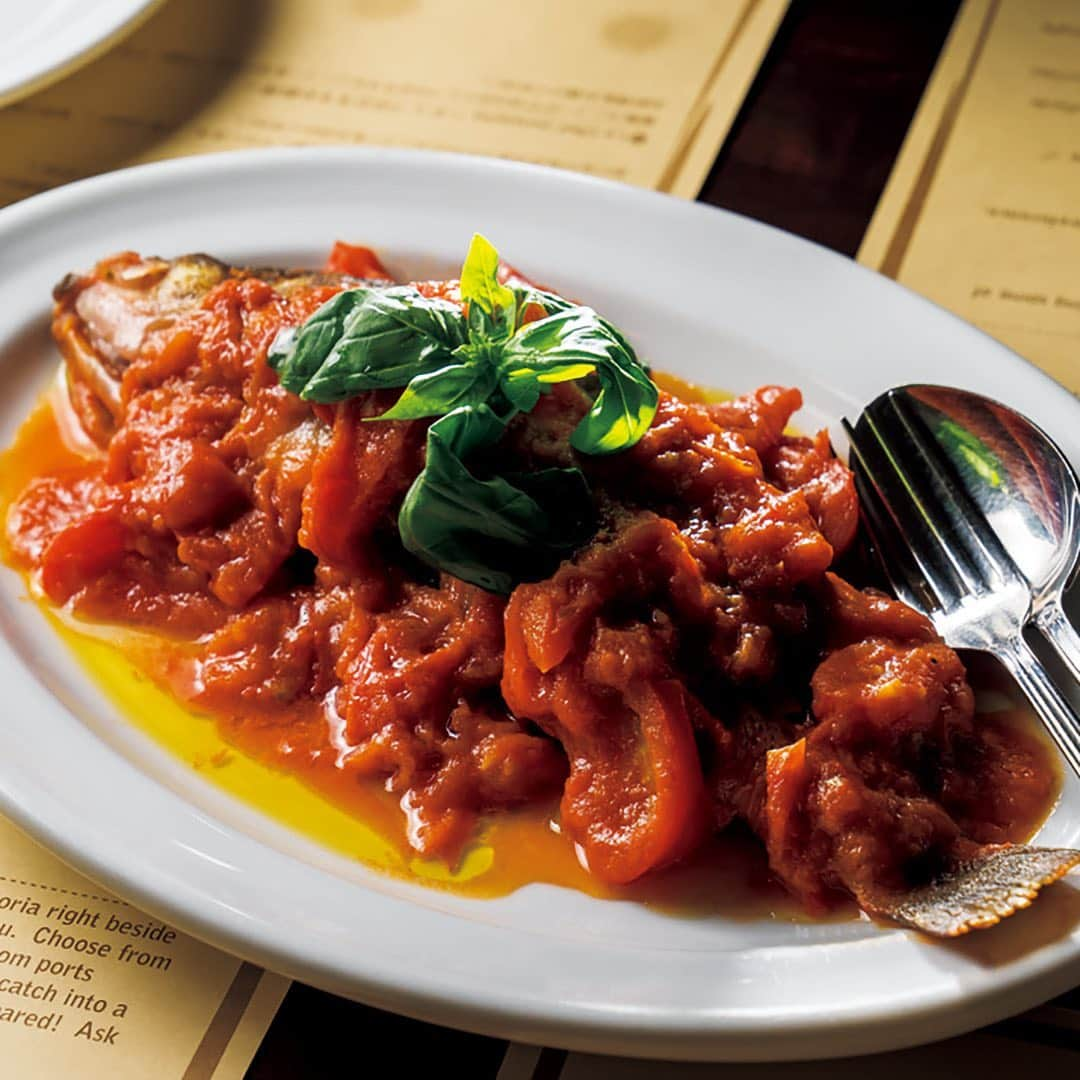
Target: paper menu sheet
point(590, 85)
point(982, 211)
point(92, 988)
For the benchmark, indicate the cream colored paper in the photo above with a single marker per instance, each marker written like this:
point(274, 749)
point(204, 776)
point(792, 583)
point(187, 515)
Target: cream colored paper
point(982, 211)
point(92, 988)
point(591, 85)
point(710, 120)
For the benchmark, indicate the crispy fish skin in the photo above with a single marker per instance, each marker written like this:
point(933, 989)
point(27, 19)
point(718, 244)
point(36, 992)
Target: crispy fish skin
point(976, 894)
point(103, 320)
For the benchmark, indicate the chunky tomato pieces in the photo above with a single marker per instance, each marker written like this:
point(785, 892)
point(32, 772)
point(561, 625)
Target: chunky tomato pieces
point(697, 663)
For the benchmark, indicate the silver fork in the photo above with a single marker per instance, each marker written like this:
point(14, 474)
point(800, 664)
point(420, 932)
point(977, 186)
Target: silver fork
point(941, 557)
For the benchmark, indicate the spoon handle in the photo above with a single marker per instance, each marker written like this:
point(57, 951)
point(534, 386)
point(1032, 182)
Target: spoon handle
point(1047, 700)
point(1061, 634)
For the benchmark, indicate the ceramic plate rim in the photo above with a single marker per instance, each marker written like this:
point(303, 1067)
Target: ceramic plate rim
point(113, 21)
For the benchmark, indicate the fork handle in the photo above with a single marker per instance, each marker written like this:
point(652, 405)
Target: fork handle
point(1047, 700)
point(1060, 633)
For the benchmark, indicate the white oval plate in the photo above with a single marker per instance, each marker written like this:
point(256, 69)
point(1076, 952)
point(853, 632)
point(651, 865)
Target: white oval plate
point(42, 41)
point(709, 295)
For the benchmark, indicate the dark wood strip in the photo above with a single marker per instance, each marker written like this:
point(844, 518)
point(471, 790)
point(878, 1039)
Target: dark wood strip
point(316, 1034)
point(1034, 1028)
point(550, 1065)
point(817, 136)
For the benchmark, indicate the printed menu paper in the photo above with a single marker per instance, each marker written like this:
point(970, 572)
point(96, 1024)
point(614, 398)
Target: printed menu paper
point(981, 213)
point(90, 987)
point(642, 94)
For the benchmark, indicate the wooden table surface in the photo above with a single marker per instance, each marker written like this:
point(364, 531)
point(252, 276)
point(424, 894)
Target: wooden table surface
point(810, 152)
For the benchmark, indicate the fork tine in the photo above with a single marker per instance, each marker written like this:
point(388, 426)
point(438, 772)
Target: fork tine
point(907, 484)
point(982, 547)
point(895, 559)
point(892, 507)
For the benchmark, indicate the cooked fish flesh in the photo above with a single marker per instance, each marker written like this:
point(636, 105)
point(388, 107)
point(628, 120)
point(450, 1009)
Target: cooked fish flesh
point(106, 319)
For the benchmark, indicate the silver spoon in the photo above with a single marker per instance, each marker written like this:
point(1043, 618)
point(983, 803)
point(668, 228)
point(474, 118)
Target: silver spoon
point(974, 521)
point(1027, 491)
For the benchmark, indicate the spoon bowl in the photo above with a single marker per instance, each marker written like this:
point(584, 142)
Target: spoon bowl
point(1025, 488)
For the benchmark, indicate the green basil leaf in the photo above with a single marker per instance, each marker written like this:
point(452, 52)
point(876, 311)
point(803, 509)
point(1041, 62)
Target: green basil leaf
point(492, 306)
point(523, 386)
point(366, 339)
point(298, 352)
point(440, 392)
point(563, 345)
point(551, 302)
point(522, 389)
point(490, 532)
point(565, 496)
point(621, 413)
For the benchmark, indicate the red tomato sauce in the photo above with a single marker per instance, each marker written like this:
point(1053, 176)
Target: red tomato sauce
point(698, 667)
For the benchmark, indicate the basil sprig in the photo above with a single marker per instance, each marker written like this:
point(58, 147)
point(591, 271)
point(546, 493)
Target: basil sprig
point(497, 531)
point(476, 367)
